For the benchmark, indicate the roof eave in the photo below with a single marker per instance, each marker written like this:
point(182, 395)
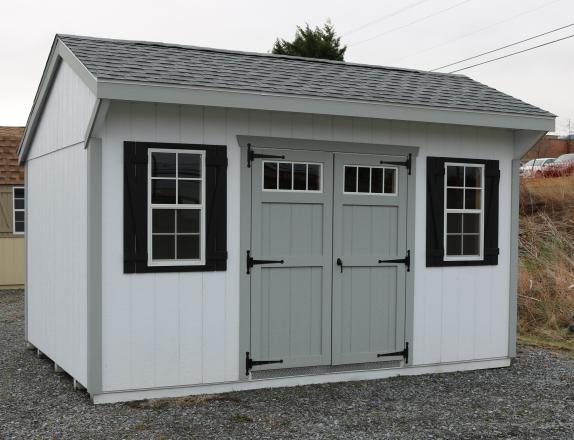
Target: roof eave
point(150, 92)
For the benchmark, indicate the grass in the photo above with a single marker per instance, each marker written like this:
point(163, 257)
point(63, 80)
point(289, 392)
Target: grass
point(546, 268)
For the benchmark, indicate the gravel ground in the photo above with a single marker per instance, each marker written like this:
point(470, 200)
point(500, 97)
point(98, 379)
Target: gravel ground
point(532, 399)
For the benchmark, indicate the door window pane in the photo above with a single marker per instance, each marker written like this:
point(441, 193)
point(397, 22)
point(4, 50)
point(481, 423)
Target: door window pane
point(299, 176)
point(285, 175)
point(269, 175)
point(314, 177)
point(364, 182)
point(350, 179)
point(377, 180)
point(390, 180)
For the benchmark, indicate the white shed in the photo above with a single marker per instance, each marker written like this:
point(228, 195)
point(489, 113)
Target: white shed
point(203, 220)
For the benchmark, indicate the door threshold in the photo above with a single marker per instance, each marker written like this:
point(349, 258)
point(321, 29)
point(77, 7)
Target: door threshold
point(323, 369)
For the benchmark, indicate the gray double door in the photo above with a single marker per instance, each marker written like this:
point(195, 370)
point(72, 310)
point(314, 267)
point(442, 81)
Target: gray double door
point(323, 226)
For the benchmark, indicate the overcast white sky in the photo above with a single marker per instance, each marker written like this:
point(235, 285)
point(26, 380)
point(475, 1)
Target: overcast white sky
point(544, 77)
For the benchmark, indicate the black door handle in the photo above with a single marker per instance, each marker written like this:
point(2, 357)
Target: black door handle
point(340, 263)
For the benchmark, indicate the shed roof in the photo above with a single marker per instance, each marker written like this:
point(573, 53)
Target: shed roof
point(10, 172)
point(189, 66)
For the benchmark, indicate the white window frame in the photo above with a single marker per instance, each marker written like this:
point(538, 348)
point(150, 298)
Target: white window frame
point(176, 206)
point(480, 211)
point(370, 193)
point(292, 162)
point(14, 210)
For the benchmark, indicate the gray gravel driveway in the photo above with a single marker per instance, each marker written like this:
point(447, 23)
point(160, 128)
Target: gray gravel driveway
point(532, 399)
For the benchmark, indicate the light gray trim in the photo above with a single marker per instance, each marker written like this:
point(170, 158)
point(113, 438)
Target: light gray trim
point(513, 287)
point(150, 92)
point(332, 146)
point(26, 246)
point(244, 245)
point(92, 122)
point(94, 266)
point(245, 221)
point(524, 140)
point(58, 53)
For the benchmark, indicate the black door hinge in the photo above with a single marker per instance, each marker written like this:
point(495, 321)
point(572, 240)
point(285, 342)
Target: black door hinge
point(404, 353)
point(407, 163)
point(251, 262)
point(252, 155)
point(406, 261)
point(250, 363)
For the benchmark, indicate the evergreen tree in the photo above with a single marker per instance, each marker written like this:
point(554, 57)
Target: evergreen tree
point(312, 43)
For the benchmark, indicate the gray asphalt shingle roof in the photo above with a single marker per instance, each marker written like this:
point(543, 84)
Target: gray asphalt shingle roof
point(159, 63)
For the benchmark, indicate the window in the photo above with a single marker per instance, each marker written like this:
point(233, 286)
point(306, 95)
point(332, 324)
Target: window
point(464, 188)
point(292, 176)
point(462, 212)
point(175, 207)
point(18, 210)
point(176, 216)
point(370, 180)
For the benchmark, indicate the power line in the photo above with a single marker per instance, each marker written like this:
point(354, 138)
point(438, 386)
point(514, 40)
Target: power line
point(506, 20)
point(514, 53)
point(503, 47)
point(426, 17)
point(384, 17)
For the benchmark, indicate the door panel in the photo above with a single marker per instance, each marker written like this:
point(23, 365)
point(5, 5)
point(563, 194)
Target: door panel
point(291, 302)
point(368, 296)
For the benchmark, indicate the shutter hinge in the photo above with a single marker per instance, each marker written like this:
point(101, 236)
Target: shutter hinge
point(404, 353)
point(250, 363)
point(407, 163)
point(252, 155)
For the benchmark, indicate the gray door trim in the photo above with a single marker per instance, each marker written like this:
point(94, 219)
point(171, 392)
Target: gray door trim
point(245, 220)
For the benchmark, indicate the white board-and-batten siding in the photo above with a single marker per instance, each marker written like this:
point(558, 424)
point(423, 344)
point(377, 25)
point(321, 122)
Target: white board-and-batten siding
point(56, 195)
point(170, 329)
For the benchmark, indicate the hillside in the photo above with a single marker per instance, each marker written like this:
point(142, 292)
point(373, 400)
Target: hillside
point(546, 267)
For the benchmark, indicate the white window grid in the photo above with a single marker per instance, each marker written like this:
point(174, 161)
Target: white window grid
point(176, 206)
point(293, 163)
point(395, 185)
point(464, 210)
point(15, 210)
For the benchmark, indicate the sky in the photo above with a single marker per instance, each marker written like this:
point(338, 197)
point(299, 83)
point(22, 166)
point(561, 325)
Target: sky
point(418, 34)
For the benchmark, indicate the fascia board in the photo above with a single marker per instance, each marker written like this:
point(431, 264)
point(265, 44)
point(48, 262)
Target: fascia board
point(148, 92)
point(58, 52)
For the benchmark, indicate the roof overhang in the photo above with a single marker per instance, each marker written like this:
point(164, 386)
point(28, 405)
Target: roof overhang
point(152, 92)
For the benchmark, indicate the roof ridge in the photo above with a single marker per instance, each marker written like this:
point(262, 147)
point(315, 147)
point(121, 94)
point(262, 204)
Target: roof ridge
point(259, 54)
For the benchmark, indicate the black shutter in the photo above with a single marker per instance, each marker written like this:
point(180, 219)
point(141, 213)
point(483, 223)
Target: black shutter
point(216, 208)
point(435, 211)
point(491, 184)
point(135, 209)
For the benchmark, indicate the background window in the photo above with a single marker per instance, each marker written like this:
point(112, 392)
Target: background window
point(18, 210)
point(176, 216)
point(464, 211)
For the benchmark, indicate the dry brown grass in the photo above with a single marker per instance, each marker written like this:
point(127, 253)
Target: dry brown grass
point(546, 246)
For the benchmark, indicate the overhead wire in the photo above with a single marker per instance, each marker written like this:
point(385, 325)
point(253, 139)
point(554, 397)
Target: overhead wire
point(502, 47)
point(513, 53)
point(383, 18)
point(490, 26)
point(418, 20)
